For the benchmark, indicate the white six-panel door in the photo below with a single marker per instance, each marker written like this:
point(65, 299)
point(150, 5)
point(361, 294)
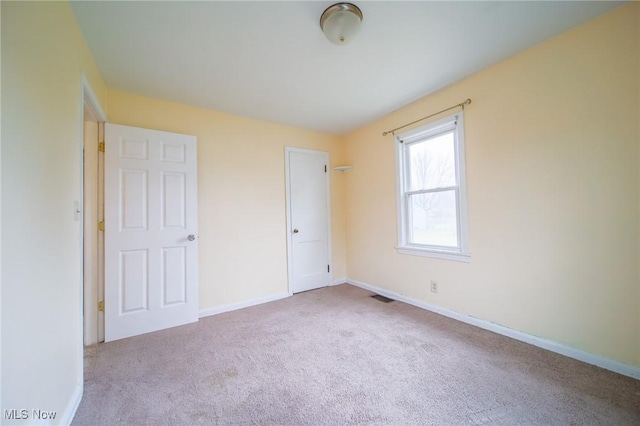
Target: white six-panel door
point(151, 248)
point(308, 218)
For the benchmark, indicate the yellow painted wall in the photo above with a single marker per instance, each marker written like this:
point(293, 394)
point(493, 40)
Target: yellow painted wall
point(638, 16)
point(241, 194)
point(552, 141)
point(43, 58)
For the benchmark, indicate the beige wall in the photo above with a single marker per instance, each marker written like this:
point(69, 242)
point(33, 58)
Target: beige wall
point(552, 142)
point(43, 58)
point(241, 194)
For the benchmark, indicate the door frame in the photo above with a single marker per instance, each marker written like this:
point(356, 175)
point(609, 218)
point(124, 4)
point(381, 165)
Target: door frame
point(90, 323)
point(325, 154)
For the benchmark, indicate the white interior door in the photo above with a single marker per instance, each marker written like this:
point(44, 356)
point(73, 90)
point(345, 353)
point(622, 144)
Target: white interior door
point(308, 219)
point(151, 250)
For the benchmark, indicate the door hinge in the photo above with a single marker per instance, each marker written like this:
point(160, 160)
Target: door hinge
point(101, 225)
point(328, 268)
point(325, 168)
point(101, 306)
point(101, 147)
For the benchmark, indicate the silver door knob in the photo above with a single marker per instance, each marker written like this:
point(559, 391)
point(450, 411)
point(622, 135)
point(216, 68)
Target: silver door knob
point(191, 237)
point(295, 231)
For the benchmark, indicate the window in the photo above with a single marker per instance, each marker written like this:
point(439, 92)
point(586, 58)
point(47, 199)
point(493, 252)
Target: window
point(432, 211)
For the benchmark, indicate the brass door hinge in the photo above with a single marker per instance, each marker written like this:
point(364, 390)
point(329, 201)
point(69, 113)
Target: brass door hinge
point(101, 225)
point(101, 306)
point(101, 147)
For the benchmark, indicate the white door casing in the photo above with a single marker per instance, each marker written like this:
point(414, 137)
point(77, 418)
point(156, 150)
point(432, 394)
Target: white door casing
point(90, 232)
point(308, 219)
point(151, 247)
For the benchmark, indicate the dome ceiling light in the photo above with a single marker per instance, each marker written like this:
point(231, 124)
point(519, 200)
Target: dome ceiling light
point(341, 22)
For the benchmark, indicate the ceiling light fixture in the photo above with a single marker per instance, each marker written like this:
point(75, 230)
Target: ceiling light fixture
point(341, 22)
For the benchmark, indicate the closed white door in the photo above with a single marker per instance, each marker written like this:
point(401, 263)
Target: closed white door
point(151, 249)
point(308, 219)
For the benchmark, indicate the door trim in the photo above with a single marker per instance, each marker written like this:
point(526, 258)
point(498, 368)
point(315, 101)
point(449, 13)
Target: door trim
point(89, 318)
point(287, 151)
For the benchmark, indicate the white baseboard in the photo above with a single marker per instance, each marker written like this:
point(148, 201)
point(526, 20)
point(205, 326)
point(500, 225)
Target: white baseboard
point(339, 281)
point(589, 358)
point(72, 407)
point(244, 304)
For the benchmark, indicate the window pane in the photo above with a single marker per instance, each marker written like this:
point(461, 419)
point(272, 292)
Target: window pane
point(433, 219)
point(432, 163)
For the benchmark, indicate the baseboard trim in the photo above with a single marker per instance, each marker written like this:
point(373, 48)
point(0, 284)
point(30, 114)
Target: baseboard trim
point(339, 281)
point(72, 407)
point(589, 358)
point(245, 304)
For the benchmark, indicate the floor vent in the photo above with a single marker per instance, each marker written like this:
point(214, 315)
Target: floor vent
point(382, 298)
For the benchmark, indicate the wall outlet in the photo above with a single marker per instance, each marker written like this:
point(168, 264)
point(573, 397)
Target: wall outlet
point(434, 286)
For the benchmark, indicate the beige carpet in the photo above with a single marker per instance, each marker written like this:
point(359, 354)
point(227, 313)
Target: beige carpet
point(337, 356)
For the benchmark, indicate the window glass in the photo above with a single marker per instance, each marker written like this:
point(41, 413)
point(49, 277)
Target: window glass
point(433, 219)
point(432, 163)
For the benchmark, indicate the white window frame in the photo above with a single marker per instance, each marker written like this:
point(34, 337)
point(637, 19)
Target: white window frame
point(461, 253)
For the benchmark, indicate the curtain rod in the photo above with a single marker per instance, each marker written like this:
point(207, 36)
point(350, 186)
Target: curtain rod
point(461, 105)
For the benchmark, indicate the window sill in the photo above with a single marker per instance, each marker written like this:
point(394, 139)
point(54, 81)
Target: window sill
point(436, 254)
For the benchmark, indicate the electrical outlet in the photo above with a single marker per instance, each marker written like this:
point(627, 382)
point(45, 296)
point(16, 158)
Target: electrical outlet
point(434, 286)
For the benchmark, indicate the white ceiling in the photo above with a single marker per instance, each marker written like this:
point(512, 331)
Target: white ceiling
point(270, 60)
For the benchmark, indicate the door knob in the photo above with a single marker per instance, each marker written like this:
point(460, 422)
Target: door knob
point(295, 231)
point(191, 237)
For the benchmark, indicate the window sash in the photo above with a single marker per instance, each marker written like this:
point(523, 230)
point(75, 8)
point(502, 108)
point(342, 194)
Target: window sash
point(426, 137)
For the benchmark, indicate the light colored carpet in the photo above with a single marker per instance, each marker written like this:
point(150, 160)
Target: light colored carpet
point(337, 356)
